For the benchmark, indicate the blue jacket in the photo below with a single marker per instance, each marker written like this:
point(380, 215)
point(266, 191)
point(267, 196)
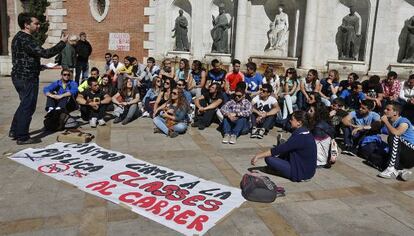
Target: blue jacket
point(57, 87)
point(301, 151)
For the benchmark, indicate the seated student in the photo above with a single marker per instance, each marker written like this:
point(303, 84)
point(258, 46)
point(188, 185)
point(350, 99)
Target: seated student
point(95, 74)
point(207, 105)
point(166, 70)
point(329, 87)
point(407, 98)
point(126, 103)
point(93, 102)
point(269, 77)
point(391, 87)
point(337, 113)
point(265, 108)
point(323, 132)
point(400, 141)
point(346, 84)
point(61, 93)
point(125, 72)
point(373, 91)
point(253, 80)
point(356, 124)
point(164, 95)
point(151, 71)
point(183, 72)
point(296, 158)
point(151, 96)
point(290, 88)
point(182, 84)
point(108, 61)
point(113, 69)
point(233, 78)
point(354, 96)
point(172, 121)
point(106, 86)
point(216, 74)
point(308, 85)
point(236, 114)
point(198, 75)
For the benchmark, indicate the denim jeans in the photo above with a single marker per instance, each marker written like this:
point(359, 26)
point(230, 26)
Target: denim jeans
point(62, 103)
point(28, 91)
point(161, 124)
point(267, 123)
point(82, 71)
point(234, 127)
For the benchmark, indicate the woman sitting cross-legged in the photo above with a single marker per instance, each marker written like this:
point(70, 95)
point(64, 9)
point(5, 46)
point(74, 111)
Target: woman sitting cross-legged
point(296, 158)
point(173, 117)
point(126, 103)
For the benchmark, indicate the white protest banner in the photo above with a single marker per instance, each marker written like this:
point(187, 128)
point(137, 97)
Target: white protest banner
point(180, 201)
point(119, 41)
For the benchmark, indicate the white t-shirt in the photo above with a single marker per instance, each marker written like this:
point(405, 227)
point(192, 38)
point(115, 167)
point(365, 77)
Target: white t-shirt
point(115, 69)
point(265, 106)
point(274, 82)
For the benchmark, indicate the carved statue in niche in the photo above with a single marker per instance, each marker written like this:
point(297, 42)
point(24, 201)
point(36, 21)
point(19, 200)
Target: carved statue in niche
point(219, 33)
point(348, 38)
point(180, 32)
point(278, 34)
point(406, 40)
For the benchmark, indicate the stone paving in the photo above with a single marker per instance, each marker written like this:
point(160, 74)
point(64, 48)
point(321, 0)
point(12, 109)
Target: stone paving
point(347, 199)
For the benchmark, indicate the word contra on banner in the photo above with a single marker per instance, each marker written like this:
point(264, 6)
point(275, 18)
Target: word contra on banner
point(175, 199)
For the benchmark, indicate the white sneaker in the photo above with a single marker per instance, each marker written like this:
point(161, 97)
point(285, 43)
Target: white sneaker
point(226, 139)
point(92, 122)
point(233, 139)
point(101, 122)
point(406, 175)
point(145, 114)
point(389, 173)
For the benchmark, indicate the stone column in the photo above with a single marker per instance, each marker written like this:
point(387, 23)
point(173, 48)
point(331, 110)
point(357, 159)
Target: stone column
point(241, 30)
point(309, 38)
point(196, 38)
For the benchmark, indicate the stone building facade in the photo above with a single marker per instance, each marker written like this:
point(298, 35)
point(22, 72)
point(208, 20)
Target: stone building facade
point(313, 35)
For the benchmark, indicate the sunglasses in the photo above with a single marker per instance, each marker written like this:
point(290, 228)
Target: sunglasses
point(66, 74)
point(180, 84)
point(290, 72)
point(158, 81)
point(239, 95)
point(167, 83)
point(264, 90)
point(174, 93)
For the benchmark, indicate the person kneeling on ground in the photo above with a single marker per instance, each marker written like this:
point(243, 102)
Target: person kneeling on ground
point(173, 117)
point(265, 108)
point(61, 93)
point(207, 105)
point(126, 103)
point(356, 124)
point(236, 113)
point(400, 141)
point(93, 102)
point(296, 158)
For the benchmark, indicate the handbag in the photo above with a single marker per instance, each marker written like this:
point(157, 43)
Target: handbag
point(258, 188)
point(74, 136)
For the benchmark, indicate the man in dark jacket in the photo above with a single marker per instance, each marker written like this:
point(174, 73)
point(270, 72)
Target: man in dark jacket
point(26, 54)
point(83, 50)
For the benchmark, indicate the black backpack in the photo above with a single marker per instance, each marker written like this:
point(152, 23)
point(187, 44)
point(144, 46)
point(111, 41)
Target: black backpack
point(258, 188)
point(55, 120)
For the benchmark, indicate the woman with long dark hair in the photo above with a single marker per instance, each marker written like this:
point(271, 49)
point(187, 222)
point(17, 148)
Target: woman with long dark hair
point(126, 103)
point(164, 95)
point(183, 72)
point(296, 158)
point(307, 85)
point(172, 120)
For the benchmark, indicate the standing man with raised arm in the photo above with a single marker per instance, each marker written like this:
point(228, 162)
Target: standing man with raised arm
point(26, 54)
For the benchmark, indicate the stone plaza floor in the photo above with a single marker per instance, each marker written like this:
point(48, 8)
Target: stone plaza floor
point(348, 199)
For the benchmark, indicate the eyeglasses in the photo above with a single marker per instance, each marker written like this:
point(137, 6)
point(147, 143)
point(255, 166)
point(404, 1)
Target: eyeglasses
point(65, 74)
point(174, 93)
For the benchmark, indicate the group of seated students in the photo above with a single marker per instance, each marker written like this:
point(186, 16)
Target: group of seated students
point(316, 111)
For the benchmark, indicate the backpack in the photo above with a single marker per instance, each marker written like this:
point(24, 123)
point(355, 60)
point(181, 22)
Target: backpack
point(257, 188)
point(55, 120)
